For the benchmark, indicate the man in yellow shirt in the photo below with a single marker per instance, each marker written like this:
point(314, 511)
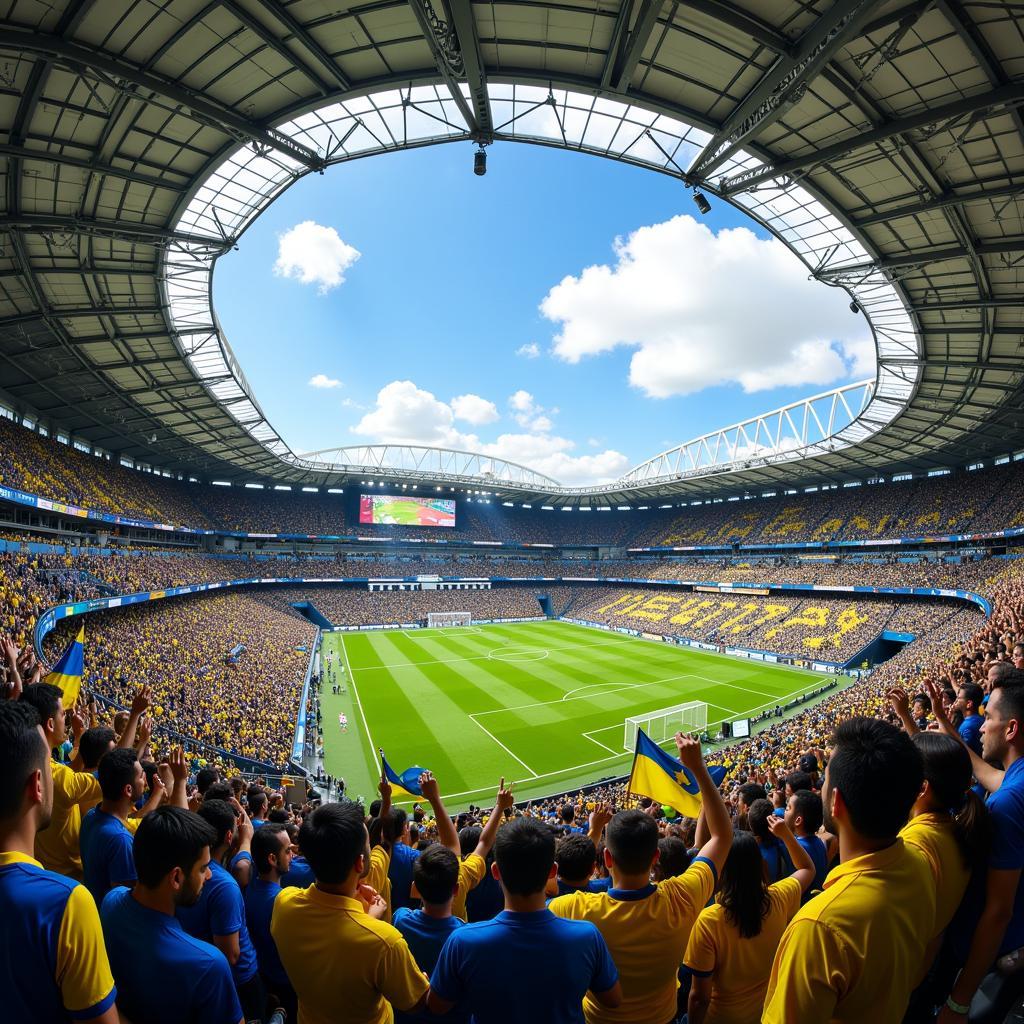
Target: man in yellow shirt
point(333, 944)
point(647, 926)
point(855, 952)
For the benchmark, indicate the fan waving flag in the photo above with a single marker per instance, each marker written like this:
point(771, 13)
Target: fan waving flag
point(661, 777)
point(67, 673)
point(407, 784)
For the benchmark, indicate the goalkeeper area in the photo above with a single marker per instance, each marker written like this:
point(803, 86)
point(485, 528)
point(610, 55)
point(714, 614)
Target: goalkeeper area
point(542, 703)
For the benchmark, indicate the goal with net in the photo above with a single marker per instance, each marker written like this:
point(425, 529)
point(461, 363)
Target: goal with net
point(440, 620)
point(666, 722)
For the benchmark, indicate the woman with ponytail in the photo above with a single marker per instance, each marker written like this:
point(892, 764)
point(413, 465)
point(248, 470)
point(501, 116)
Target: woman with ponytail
point(948, 823)
point(733, 942)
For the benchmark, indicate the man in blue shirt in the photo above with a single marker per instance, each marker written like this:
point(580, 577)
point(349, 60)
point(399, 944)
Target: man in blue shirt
point(165, 975)
point(55, 967)
point(577, 858)
point(219, 914)
point(804, 816)
point(272, 856)
point(968, 703)
point(554, 961)
point(990, 921)
point(105, 841)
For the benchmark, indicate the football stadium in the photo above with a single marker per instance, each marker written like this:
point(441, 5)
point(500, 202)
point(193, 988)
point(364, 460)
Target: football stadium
point(671, 671)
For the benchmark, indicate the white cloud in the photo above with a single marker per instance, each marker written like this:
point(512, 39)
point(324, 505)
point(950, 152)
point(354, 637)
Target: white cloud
point(702, 310)
point(529, 351)
point(474, 409)
point(321, 380)
point(529, 414)
point(407, 414)
point(314, 254)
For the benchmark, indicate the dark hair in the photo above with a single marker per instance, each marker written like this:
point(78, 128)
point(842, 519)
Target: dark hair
point(220, 815)
point(436, 873)
point(94, 743)
point(266, 841)
point(525, 852)
point(576, 856)
point(567, 813)
point(923, 699)
point(116, 770)
point(332, 838)
point(757, 819)
point(807, 805)
point(798, 780)
point(632, 838)
point(751, 791)
point(1007, 674)
point(674, 859)
point(256, 799)
point(44, 697)
point(150, 768)
point(973, 693)
point(878, 771)
point(375, 807)
point(743, 891)
point(1011, 699)
point(206, 778)
point(279, 816)
point(219, 790)
point(948, 772)
point(469, 838)
point(393, 825)
point(22, 752)
point(169, 838)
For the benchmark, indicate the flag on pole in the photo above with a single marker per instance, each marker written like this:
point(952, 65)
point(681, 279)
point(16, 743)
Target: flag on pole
point(67, 673)
point(661, 777)
point(405, 785)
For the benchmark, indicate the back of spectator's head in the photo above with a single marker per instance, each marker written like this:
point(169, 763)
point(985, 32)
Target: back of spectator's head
point(567, 813)
point(332, 839)
point(220, 816)
point(206, 778)
point(744, 890)
point(47, 699)
point(798, 780)
point(256, 801)
point(576, 856)
point(469, 837)
point(673, 858)
point(269, 841)
point(94, 743)
point(394, 823)
point(375, 807)
point(632, 841)
point(436, 874)
point(219, 790)
point(808, 763)
point(120, 774)
point(757, 819)
point(172, 841)
point(279, 816)
point(524, 855)
point(803, 812)
point(24, 764)
point(749, 792)
point(873, 778)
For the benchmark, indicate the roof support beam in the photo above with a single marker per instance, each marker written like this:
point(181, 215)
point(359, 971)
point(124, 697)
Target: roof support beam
point(93, 166)
point(632, 45)
point(473, 63)
point(76, 313)
point(911, 259)
point(785, 83)
point(940, 202)
point(124, 231)
point(1004, 96)
point(758, 30)
point(277, 10)
point(126, 78)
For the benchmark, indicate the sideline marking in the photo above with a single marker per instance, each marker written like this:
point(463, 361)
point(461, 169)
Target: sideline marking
point(359, 703)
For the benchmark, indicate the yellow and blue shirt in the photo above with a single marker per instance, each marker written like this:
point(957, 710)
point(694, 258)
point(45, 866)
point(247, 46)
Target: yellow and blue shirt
point(646, 931)
point(165, 975)
point(56, 966)
point(737, 965)
point(855, 951)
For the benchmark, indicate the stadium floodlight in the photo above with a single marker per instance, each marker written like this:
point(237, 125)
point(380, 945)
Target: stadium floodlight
point(480, 162)
point(702, 203)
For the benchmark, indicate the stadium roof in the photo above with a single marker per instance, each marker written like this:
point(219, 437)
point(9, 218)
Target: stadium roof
point(884, 142)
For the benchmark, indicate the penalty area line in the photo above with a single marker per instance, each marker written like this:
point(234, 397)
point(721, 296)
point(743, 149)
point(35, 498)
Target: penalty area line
point(503, 747)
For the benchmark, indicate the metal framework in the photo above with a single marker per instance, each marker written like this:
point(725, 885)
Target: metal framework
point(882, 142)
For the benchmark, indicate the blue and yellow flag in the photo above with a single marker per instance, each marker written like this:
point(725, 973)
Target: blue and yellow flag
point(661, 777)
point(67, 673)
point(405, 785)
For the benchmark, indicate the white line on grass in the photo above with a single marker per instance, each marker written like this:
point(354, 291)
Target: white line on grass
point(588, 736)
point(359, 703)
point(503, 747)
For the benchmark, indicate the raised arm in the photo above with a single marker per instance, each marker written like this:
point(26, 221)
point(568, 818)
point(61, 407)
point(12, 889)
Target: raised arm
point(140, 704)
point(179, 772)
point(990, 778)
point(801, 859)
point(716, 849)
point(446, 834)
point(489, 833)
point(899, 701)
point(599, 818)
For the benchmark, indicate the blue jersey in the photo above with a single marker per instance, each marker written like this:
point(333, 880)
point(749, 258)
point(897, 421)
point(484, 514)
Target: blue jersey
point(106, 846)
point(426, 937)
point(819, 855)
point(400, 872)
point(259, 909)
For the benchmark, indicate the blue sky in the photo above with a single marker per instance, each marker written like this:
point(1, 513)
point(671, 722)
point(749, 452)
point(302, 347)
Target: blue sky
point(477, 289)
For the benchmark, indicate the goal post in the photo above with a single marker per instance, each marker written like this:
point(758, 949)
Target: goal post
point(441, 620)
point(664, 723)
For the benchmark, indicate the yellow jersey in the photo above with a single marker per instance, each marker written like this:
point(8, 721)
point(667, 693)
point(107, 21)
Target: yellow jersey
point(56, 847)
point(933, 837)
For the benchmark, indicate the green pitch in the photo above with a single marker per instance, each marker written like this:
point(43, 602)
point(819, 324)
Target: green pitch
point(542, 703)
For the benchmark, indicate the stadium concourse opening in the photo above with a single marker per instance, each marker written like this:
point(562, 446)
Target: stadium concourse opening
point(343, 735)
